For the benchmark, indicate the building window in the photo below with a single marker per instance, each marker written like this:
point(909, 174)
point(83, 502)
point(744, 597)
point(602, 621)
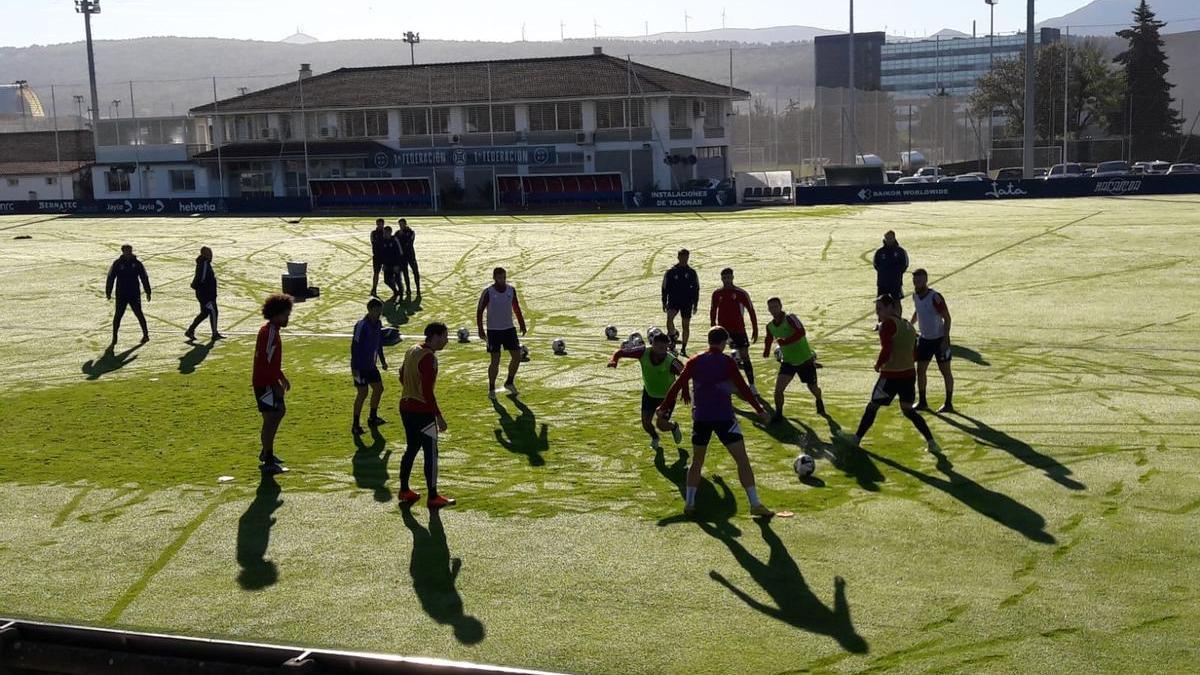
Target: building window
point(182, 180)
point(377, 123)
point(285, 126)
point(710, 152)
point(414, 122)
point(363, 123)
point(681, 111)
point(295, 181)
point(482, 119)
point(612, 114)
point(13, 182)
point(567, 116)
point(51, 180)
point(440, 120)
point(118, 181)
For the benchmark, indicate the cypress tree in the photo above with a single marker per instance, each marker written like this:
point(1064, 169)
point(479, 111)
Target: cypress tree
point(1148, 116)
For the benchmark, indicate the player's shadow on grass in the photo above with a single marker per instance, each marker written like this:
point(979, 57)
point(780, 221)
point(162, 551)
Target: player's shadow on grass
point(195, 356)
point(715, 501)
point(794, 603)
point(370, 465)
point(850, 462)
point(434, 574)
point(995, 505)
point(804, 439)
point(968, 354)
point(109, 361)
point(397, 311)
point(520, 434)
point(992, 437)
point(254, 535)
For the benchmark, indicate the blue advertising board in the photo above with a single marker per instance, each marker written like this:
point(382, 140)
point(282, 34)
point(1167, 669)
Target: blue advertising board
point(680, 199)
point(1000, 190)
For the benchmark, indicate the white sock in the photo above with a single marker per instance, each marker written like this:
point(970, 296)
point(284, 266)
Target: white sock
point(689, 497)
point(752, 494)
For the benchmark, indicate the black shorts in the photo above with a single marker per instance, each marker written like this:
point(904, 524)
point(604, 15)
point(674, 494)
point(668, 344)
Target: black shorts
point(503, 339)
point(728, 433)
point(888, 388)
point(364, 377)
point(650, 403)
point(685, 312)
point(807, 371)
point(739, 340)
point(420, 428)
point(928, 350)
point(270, 399)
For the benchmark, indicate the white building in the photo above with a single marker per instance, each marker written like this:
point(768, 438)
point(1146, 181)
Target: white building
point(149, 158)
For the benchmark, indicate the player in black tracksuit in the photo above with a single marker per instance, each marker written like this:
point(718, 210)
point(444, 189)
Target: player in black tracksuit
point(680, 295)
point(377, 255)
point(204, 282)
point(129, 276)
point(890, 263)
point(406, 235)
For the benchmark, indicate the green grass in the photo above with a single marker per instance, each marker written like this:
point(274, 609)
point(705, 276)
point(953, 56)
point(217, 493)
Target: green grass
point(1059, 529)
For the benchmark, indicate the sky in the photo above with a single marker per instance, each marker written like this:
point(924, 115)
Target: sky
point(26, 22)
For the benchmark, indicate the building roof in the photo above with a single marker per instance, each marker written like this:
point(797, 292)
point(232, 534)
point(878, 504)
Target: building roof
point(591, 75)
point(39, 168)
point(293, 150)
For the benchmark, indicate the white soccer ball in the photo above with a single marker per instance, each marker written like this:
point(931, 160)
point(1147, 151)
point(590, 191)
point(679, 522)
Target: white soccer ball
point(610, 332)
point(804, 465)
point(652, 332)
point(779, 353)
point(464, 335)
point(635, 339)
point(559, 346)
point(524, 353)
point(737, 357)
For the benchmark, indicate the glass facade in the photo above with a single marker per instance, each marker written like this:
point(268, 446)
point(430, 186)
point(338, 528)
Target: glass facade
point(923, 68)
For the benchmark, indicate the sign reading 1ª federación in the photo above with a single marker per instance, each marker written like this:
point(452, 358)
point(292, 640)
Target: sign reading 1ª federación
point(521, 155)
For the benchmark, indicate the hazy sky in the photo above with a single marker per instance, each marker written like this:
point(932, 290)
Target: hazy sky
point(25, 22)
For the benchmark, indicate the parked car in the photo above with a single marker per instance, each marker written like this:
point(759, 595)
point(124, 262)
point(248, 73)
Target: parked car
point(1181, 169)
point(944, 179)
point(910, 180)
point(968, 178)
point(893, 176)
point(930, 174)
point(1059, 171)
point(1010, 173)
point(1039, 173)
point(1114, 169)
point(1155, 168)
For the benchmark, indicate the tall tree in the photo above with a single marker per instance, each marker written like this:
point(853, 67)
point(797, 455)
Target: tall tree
point(1094, 90)
point(1147, 115)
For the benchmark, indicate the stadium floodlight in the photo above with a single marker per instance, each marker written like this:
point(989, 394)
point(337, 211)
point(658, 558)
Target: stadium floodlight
point(412, 39)
point(87, 8)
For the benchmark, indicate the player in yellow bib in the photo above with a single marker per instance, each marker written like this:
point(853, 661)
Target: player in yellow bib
point(897, 370)
point(659, 369)
point(797, 358)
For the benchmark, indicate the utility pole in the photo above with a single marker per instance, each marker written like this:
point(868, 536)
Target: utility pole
point(87, 8)
point(853, 88)
point(1030, 111)
point(79, 106)
point(413, 39)
point(1066, 93)
point(992, 34)
point(562, 31)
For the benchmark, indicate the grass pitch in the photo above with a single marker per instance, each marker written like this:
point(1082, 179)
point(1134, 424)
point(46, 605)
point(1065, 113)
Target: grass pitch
point(1058, 531)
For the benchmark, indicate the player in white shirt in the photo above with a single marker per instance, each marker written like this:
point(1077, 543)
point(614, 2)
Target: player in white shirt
point(500, 302)
point(932, 319)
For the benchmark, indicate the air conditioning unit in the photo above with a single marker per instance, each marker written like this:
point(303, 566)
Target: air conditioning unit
point(584, 138)
point(699, 108)
point(455, 139)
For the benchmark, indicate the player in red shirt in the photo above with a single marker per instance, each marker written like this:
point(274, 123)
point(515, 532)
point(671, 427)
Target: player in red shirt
point(270, 384)
point(728, 301)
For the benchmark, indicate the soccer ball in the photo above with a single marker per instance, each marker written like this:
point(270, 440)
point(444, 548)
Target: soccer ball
point(779, 354)
point(610, 332)
point(737, 357)
point(804, 466)
point(652, 332)
point(524, 353)
point(559, 346)
point(464, 335)
point(635, 339)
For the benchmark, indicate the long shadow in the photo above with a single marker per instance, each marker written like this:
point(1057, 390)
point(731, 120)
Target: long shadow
point(968, 354)
point(370, 465)
point(995, 505)
point(794, 603)
point(854, 463)
point(804, 439)
point(520, 434)
point(195, 356)
point(434, 574)
point(108, 362)
point(397, 312)
point(993, 437)
point(715, 501)
point(254, 534)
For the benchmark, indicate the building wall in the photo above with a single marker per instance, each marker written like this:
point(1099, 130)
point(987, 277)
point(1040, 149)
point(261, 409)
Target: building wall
point(155, 182)
point(833, 60)
point(17, 188)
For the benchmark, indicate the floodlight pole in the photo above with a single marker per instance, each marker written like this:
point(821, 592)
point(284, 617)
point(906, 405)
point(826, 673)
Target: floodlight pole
point(1029, 112)
point(87, 8)
point(992, 34)
point(853, 110)
point(412, 39)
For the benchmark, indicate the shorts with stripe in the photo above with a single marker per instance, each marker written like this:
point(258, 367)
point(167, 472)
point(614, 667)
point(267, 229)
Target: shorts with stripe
point(728, 432)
